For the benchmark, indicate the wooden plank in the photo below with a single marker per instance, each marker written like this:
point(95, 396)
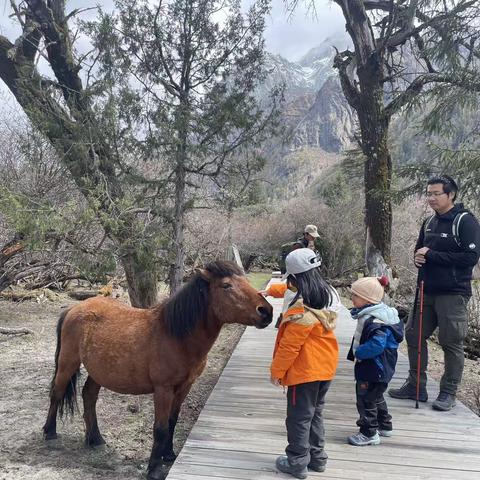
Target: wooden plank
point(337, 468)
point(241, 430)
point(420, 453)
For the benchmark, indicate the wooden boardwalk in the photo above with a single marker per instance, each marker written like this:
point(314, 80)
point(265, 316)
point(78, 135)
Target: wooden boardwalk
point(241, 430)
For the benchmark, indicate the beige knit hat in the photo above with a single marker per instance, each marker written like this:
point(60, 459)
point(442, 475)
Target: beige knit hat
point(370, 288)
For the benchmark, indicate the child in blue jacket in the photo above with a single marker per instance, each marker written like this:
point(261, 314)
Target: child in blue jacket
point(374, 351)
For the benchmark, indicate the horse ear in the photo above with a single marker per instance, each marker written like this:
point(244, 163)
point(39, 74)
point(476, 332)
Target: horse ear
point(205, 274)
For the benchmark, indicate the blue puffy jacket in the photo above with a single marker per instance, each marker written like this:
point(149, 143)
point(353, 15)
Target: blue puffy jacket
point(376, 353)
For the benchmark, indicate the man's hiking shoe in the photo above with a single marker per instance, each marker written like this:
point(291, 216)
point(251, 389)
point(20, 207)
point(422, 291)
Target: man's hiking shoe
point(409, 392)
point(444, 402)
point(361, 440)
point(317, 467)
point(385, 433)
point(284, 466)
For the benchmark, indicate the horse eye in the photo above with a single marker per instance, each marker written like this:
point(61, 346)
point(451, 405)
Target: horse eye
point(226, 286)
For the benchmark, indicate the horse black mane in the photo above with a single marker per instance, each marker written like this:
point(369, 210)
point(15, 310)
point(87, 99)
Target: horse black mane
point(183, 311)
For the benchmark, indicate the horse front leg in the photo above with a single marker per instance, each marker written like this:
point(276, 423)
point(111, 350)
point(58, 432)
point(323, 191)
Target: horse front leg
point(163, 400)
point(168, 454)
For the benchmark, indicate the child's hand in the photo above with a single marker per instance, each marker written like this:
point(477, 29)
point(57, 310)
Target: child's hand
point(263, 292)
point(275, 381)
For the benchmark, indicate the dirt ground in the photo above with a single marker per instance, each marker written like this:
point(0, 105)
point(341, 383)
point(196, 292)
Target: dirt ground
point(26, 369)
point(469, 390)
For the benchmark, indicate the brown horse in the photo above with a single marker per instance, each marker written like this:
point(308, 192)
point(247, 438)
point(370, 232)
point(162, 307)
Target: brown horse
point(161, 350)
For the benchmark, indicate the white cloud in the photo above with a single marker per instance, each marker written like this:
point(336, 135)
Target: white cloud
point(293, 34)
point(289, 34)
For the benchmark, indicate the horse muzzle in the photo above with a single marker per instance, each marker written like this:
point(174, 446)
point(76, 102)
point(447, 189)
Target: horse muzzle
point(266, 315)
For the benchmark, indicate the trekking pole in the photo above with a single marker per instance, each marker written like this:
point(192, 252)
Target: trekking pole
point(419, 354)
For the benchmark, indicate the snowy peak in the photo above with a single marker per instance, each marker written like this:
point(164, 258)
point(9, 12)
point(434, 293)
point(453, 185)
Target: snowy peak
point(308, 75)
point(325, 50)
point(315, 111)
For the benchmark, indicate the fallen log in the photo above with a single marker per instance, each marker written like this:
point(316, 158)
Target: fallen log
point(82, 294)
point(15, 331)
point(20, 295)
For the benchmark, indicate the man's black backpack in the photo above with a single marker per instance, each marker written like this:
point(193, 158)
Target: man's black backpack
point(455, 226)
point(285, 249)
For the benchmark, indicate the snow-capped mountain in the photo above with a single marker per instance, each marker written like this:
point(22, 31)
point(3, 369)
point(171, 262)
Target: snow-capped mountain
point(315, 109)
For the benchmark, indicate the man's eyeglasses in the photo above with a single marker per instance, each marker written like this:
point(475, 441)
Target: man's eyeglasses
point(435, 194)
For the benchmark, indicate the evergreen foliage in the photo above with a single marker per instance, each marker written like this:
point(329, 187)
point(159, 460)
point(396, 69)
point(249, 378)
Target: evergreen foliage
point(163, 100)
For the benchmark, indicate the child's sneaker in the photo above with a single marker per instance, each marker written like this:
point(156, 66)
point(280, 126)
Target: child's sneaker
point(361, 440)
point(385, 433)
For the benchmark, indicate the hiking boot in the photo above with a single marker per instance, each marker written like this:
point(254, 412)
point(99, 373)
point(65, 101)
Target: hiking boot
point(317, 467)
point(385, 433)
point(409, 392)
point(444, 402)
point(361, 440)
point(284, 466)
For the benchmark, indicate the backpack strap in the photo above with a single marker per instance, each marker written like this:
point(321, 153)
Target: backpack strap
point(427, 223)
point(456, 227)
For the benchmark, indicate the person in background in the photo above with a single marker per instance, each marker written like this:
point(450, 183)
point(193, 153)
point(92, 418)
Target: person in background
point(310, 235)
point(310, 239)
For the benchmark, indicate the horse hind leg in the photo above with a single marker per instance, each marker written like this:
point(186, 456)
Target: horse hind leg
point(50, 427)
point(63, 393)
point(93, 438)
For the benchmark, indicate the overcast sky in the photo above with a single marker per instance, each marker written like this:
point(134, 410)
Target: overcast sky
point(292, 35)
point(288, 34)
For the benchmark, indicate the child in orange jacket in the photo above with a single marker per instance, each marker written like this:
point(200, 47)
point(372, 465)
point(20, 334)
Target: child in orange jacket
point(305, 360)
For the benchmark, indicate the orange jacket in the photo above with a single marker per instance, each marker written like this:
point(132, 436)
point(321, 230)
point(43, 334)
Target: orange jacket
point(281, 290)
point(306, 349)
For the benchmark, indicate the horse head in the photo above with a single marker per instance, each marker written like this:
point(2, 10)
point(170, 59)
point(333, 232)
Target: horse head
point(231, 297)
point(219, 290)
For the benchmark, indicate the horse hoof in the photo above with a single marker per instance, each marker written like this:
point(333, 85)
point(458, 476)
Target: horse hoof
point(49, 436)
point(99, 446)
point(97, 443)
point(169, 457)
point(156, 474)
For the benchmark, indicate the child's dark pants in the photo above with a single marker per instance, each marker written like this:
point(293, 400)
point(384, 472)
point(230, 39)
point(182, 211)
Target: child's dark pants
point(305, 430)
point(372, 408)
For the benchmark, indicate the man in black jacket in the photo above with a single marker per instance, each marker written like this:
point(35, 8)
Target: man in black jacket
point(447, 249)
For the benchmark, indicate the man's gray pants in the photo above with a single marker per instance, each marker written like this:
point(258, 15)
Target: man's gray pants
point(449, 314)
point(305, 430)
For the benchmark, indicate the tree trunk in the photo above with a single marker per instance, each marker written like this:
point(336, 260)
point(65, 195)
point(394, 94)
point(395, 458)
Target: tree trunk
point(378, 168)
point(366, 96)
point(178, 266)
point(9, 250)
point(141, 278)
point(378, 210)
point(81, 145)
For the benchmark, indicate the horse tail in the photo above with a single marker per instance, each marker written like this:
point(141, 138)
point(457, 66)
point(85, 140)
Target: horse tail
point(68, 403)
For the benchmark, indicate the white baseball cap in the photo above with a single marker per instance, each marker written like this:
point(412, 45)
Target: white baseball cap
point(301, 260)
